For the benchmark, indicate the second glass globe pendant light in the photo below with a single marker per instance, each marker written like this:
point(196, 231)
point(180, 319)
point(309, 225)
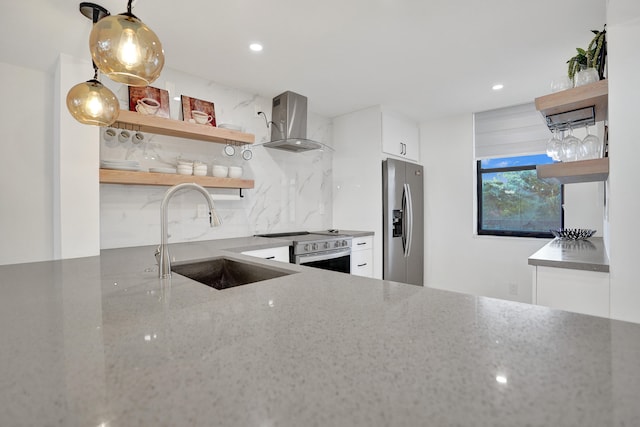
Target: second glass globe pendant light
point(126, 50)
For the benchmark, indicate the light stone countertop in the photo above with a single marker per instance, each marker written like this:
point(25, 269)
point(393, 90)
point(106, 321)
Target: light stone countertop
point(101, 341)
point(587, 255)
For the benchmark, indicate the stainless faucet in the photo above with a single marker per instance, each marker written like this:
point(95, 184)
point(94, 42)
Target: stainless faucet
point(162, 253)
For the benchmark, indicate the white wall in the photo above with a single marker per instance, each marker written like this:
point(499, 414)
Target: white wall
point(27, 168)
point(623, 32)
point(455, 258)
point(76, 200)
point(357, 171)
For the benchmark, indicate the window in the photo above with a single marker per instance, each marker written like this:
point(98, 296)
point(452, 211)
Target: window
point(512, 201)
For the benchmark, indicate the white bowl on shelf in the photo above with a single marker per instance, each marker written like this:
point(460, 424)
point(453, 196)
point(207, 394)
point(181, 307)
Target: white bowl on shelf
point(200, 169)
point(185, 170)
point(219, 171)
point(235, 171)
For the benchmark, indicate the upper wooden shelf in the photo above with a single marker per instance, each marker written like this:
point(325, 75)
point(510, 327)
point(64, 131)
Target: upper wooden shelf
point(575, 172)
point(111, 176)
point(132, 120)
point(594, 94)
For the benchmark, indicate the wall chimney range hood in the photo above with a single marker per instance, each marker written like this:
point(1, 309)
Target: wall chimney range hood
point(289, 124)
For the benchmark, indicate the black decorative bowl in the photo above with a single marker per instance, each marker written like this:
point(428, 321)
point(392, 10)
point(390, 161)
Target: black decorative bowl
point(573, 233)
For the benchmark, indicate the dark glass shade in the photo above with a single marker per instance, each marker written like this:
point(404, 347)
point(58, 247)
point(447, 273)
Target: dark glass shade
point(91, 103)
point(126, 50)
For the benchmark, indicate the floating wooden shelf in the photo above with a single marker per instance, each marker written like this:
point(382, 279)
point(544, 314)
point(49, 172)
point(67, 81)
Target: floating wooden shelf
point(111, 176)
point(132, 120)
point(591, 95)
point(575, 172)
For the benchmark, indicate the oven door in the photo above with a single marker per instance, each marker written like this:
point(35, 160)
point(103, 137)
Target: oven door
point(337, 260)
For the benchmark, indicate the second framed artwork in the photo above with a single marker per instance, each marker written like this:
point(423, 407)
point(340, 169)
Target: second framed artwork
point(198, 111)
point(149, 101)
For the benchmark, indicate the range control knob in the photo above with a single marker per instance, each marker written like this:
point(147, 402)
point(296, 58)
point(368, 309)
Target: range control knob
point(336, 244)
point(327, 245)
point(306, 247)
point(315, 246)
point(344, 243)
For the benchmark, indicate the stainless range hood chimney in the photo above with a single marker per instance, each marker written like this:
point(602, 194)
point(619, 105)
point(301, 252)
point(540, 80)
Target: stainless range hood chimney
point(289, 124)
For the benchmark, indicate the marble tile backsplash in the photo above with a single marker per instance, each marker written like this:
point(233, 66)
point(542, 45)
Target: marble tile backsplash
point(292, 191)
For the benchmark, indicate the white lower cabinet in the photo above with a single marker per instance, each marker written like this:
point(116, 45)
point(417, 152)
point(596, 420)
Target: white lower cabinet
point(277, 254)
point(362, 256)
point(579, 291)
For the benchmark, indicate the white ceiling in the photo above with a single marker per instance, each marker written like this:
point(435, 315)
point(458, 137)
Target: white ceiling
point(425, 58)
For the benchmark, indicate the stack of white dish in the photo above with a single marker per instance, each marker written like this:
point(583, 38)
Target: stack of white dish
point(199, 168)
point(124, 165)
point(185, 167)
point(219, 171)
point(235, 171)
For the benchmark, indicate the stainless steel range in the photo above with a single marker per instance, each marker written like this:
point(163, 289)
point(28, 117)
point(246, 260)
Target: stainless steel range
point(329, 251)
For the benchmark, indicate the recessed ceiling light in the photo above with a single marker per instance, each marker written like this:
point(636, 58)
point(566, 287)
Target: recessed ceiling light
point(256, 47)
point(498, 86)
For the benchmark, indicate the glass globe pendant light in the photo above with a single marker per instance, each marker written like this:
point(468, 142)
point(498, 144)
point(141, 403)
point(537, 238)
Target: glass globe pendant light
point(91, 103)
point(126, 50)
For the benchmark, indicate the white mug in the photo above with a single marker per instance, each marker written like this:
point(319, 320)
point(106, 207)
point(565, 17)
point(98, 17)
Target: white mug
point(124, 136)
point(201, 117)
point(109, 134)
point(148, 106)
point(138, 137)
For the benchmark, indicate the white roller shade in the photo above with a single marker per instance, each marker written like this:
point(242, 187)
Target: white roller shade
point(510, 131)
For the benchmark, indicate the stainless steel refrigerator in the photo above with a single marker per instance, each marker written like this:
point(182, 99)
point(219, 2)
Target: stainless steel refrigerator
point(403, 222)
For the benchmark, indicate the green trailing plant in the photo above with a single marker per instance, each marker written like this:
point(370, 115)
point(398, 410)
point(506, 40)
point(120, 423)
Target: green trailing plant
point(591, 57)
point(577, 63)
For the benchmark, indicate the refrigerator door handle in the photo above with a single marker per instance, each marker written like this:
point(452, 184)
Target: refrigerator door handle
point(404, 220)
point(409, 214)
point(407, 219)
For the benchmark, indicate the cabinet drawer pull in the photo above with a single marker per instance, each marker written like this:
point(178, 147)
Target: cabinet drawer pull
point(362, 265)
point(361, 243)
point(270, 257)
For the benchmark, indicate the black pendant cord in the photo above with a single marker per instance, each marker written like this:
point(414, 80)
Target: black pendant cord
point(95, 70)
point(128, 12)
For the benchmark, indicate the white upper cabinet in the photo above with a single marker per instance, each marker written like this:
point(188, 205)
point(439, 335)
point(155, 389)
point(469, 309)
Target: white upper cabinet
point(400, 136)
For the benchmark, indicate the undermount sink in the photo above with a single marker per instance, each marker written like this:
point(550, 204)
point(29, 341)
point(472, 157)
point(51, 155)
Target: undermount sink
point(223, 273)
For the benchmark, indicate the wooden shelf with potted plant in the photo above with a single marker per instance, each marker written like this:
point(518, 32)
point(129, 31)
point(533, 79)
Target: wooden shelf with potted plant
point(569, 103)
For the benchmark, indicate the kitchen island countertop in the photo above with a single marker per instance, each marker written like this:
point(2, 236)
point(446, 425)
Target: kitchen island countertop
point(102, 341)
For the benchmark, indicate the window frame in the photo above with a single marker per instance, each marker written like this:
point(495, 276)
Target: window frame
point(508, 233)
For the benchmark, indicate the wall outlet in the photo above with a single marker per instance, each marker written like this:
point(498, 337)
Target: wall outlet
point(513, 289)
point(203, 211)
point(257, 108)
